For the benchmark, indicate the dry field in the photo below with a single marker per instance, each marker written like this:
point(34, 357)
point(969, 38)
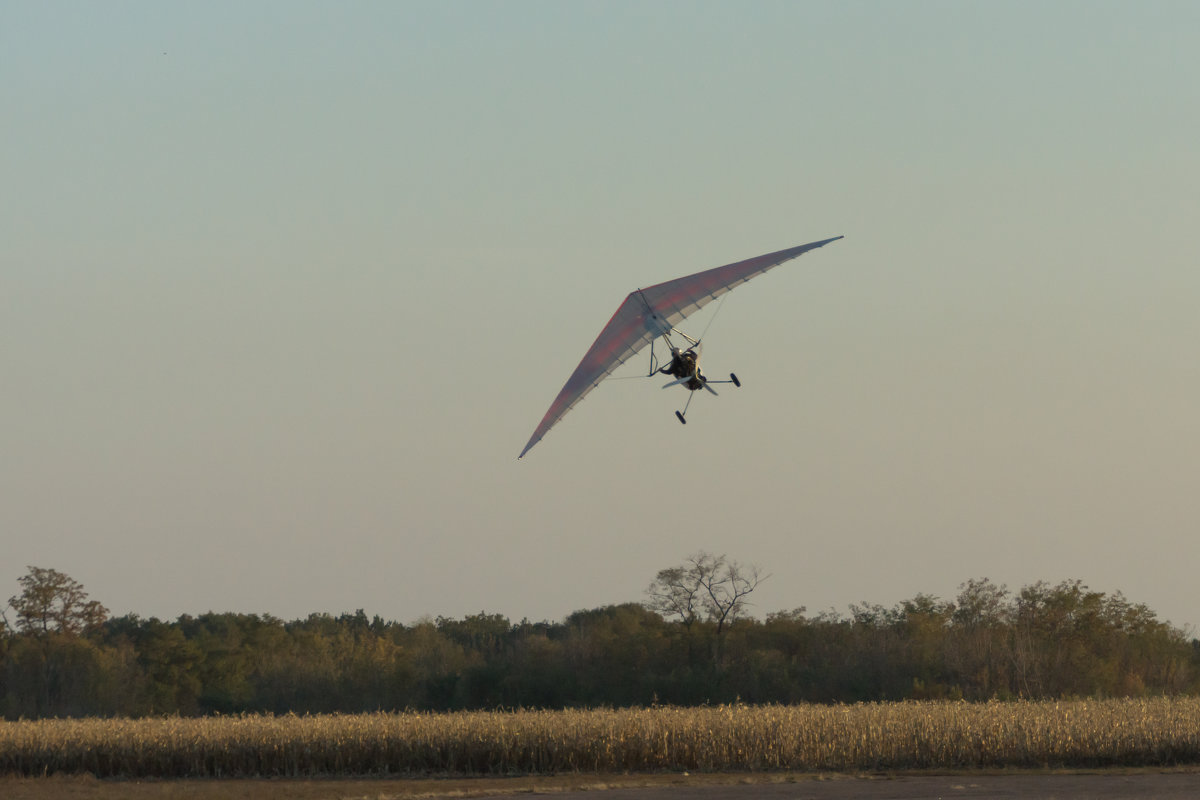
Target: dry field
point(1159, 732)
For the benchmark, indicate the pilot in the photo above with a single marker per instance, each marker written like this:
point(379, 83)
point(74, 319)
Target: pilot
point(689, 362)
point(678, 366)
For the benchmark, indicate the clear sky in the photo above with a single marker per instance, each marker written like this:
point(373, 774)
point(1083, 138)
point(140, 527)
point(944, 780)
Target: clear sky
point(285, 288)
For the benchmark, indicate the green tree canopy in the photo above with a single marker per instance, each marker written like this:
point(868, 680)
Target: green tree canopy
point(51, 601)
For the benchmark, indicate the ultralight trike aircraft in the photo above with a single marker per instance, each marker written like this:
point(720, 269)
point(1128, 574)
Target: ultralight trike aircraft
point(653, 312)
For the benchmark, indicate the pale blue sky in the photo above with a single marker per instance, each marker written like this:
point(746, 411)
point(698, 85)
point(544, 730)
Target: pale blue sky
point(285, 287)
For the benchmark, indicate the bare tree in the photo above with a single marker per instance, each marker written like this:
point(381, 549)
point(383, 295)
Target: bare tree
point(675, 592)
point(708, 586)
point(726, 585)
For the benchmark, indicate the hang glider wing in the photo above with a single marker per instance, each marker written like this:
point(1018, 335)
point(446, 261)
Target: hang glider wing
point(648, 313)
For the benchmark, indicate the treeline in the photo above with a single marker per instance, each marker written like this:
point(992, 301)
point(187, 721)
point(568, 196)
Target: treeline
point(1045, 641)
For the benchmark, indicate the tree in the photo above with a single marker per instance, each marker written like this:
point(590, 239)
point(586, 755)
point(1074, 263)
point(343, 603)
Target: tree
point(979, 657)
point(51, 601)
point(675, 592)
point(708, 584)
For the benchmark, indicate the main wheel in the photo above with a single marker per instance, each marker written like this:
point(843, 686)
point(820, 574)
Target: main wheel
point(681, 419)
point(733, 378)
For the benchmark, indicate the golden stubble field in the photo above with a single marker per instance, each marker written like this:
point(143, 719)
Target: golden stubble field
point(1154, 732)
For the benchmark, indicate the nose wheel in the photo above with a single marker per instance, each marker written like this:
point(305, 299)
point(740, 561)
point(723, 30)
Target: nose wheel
point(680, 415)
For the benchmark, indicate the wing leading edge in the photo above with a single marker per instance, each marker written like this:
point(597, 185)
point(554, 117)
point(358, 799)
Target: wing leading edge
point(648, 313)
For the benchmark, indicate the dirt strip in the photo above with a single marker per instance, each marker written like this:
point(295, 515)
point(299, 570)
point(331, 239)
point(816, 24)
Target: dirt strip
point(1177, 784)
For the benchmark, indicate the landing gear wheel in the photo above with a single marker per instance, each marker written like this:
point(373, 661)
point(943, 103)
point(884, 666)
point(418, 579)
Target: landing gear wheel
point(733, 378)
point(681, 419)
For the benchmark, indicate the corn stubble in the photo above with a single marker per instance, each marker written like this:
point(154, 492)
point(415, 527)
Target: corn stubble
point(908, 735)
